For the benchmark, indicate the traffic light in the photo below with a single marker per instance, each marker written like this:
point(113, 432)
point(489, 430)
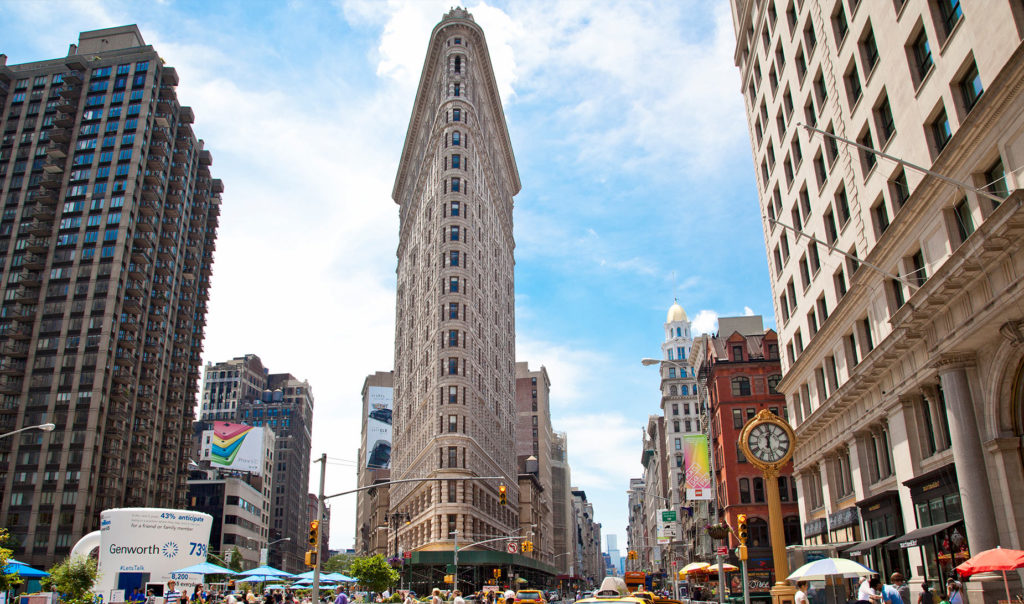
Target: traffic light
point(502, 494)
point(741, 529)
point(311, 559)
point(497, 573)
point(449, 578)
point(631, 555)
point(314, 534)
point(527, 546)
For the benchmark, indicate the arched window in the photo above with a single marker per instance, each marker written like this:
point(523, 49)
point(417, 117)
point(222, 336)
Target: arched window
point(773, 381)
point(672, 390)
point(458, 64)
point(679, 332)
point(758, 490)
point(684, 390)
point(758, 532)
point(740, 386)
point(791, 529)
point(456, 138)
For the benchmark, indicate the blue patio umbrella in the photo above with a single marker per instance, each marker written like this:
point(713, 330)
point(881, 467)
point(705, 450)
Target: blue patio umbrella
point(206, 568)
point(24, 570)
point(265, 571)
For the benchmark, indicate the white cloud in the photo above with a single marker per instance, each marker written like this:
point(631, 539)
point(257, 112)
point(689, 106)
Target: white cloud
point(705, 321)
point(569, 368)
point(748, 312)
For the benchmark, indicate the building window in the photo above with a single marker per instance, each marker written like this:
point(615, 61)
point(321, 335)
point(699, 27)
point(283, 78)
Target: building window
point(791, 529)
point(951, 14)
point(941, 130)
point(964, 223)
point(737, 418)
point(971, 87)
point(455, 208)
point(900, 188)
point(758, 528)
point(773, 382)
point(453, 394)
point(922, 53)
point(453, 457)
point(737, 353)
point(456, 138)
point(453, 337)
point(758, 490)
point(884, 119)
point(679, 461)
point(453, 423)
point(679, 445)
point(918, 270)
point(456, 115)
point(455, 185)
point(744, 490)
point(995, 179)
point(453, 285)
point(881, 215)
point(453, 366)
point(453, 310)
point(740, 386)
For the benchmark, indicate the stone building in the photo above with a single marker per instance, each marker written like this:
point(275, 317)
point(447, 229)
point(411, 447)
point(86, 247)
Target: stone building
point(373, 525)
point(533, 453)
point(454, 377)
point(108, 229)
point(900, 320)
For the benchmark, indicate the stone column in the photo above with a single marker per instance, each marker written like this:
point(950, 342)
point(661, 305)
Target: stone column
point(971, 471)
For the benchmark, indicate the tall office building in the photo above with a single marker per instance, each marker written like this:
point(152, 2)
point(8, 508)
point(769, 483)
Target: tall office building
point(901, 325)
point(108, 228)
point(533, 452)
point(562, 528)
point(374, 466)
point(454, 376)
point(243, 390)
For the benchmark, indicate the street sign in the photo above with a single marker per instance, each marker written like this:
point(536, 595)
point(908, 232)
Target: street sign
point(722, 550)
point(512, 547)
point(674, 563)
point(407, 555)
point(668, 515)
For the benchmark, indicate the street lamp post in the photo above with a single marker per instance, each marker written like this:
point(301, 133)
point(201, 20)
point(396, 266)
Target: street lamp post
point(395, 520)
point(265, 551)
point(43, 427)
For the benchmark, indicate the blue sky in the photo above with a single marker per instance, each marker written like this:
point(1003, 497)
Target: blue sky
point(629, 132)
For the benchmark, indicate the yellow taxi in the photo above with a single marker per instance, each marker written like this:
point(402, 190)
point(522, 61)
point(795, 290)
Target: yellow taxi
point(530, 596)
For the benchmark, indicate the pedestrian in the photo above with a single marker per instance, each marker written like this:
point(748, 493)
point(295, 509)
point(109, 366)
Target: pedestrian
point(890, 594)
point(868, 592)
point(901, 586)
point(510, 596)
point(340, 597)
point(458, 597)
point(197, 595)
point(435, 596)
point(171, 595)
point(926, 596)
point(150, 597)
point(408, 598)
point(801, 593)
point(954, 591)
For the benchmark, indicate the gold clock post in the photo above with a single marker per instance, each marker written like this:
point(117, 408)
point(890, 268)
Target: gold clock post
point(769, 458)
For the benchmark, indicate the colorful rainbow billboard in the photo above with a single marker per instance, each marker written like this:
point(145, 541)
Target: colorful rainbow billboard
point(697, 467)
point(234, 447)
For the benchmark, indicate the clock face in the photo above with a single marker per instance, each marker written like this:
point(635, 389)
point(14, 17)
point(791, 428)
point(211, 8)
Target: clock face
point(768, 442)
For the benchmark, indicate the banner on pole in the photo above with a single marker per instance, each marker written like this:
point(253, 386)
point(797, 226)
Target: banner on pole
point(697, 467)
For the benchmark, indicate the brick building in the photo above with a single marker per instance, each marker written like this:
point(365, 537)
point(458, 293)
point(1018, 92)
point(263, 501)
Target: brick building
point(740, 371)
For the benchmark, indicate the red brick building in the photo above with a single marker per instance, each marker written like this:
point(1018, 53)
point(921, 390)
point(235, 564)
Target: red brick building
point(741, 368)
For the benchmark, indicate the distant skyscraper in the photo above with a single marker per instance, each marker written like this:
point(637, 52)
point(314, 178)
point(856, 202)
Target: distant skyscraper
point(242, 390)
point(106, 244)
point(454, 374)
point(614, 560)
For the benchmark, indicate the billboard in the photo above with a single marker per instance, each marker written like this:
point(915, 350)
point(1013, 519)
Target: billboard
point(378, 427)
point(234, 447)
point(697, 467)
point(140, 545)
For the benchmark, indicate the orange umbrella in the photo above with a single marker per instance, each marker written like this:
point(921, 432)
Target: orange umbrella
point(991, 560)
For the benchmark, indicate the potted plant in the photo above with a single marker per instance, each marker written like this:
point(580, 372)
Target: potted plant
point(718, 530)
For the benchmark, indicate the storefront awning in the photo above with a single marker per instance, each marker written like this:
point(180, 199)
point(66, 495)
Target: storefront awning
point(863, 547)
point(914, 538)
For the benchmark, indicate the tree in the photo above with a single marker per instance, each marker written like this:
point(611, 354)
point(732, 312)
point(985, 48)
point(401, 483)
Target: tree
point(338, 563)
point(73, 578)
point(235, 560)
point(374, 572)
point(12, 580)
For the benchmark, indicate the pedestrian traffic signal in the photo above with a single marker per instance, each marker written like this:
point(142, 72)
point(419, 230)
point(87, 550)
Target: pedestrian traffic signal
point(502, 494)
point(311, 559)
point(497, 573)
point(314, 533)
point(449, 578)
point(741, 529)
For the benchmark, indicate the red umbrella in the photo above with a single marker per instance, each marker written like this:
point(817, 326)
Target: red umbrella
point(991, 560)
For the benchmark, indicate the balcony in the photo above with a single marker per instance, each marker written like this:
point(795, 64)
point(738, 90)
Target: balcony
point(65, 119)
point(132, 305)
point(14, 349)
point(73, 77)
point(56, 152)
point(70, 92)
point(10, 384)
point(186, 115)
point(60, 135)
point(30, 278)
point(152, 192)
point(25, 294)
point(42, 211)
point(51, 181)
point(149, 207)
point(39, 245)
point(160, 149)
point(143, 241)
point(44, 196)
point(40, 228)
point(67, 106)
point(12, 367)
point(125, 357)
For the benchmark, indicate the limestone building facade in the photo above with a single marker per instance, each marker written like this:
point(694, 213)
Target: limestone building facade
point(900, 321)
point(454, 374)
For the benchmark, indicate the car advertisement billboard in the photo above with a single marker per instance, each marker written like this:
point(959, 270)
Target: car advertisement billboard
point(378, 427)
point(697, 467)
point(234, 447)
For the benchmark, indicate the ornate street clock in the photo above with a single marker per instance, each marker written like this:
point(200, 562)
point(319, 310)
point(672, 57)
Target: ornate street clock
point(767, 442)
